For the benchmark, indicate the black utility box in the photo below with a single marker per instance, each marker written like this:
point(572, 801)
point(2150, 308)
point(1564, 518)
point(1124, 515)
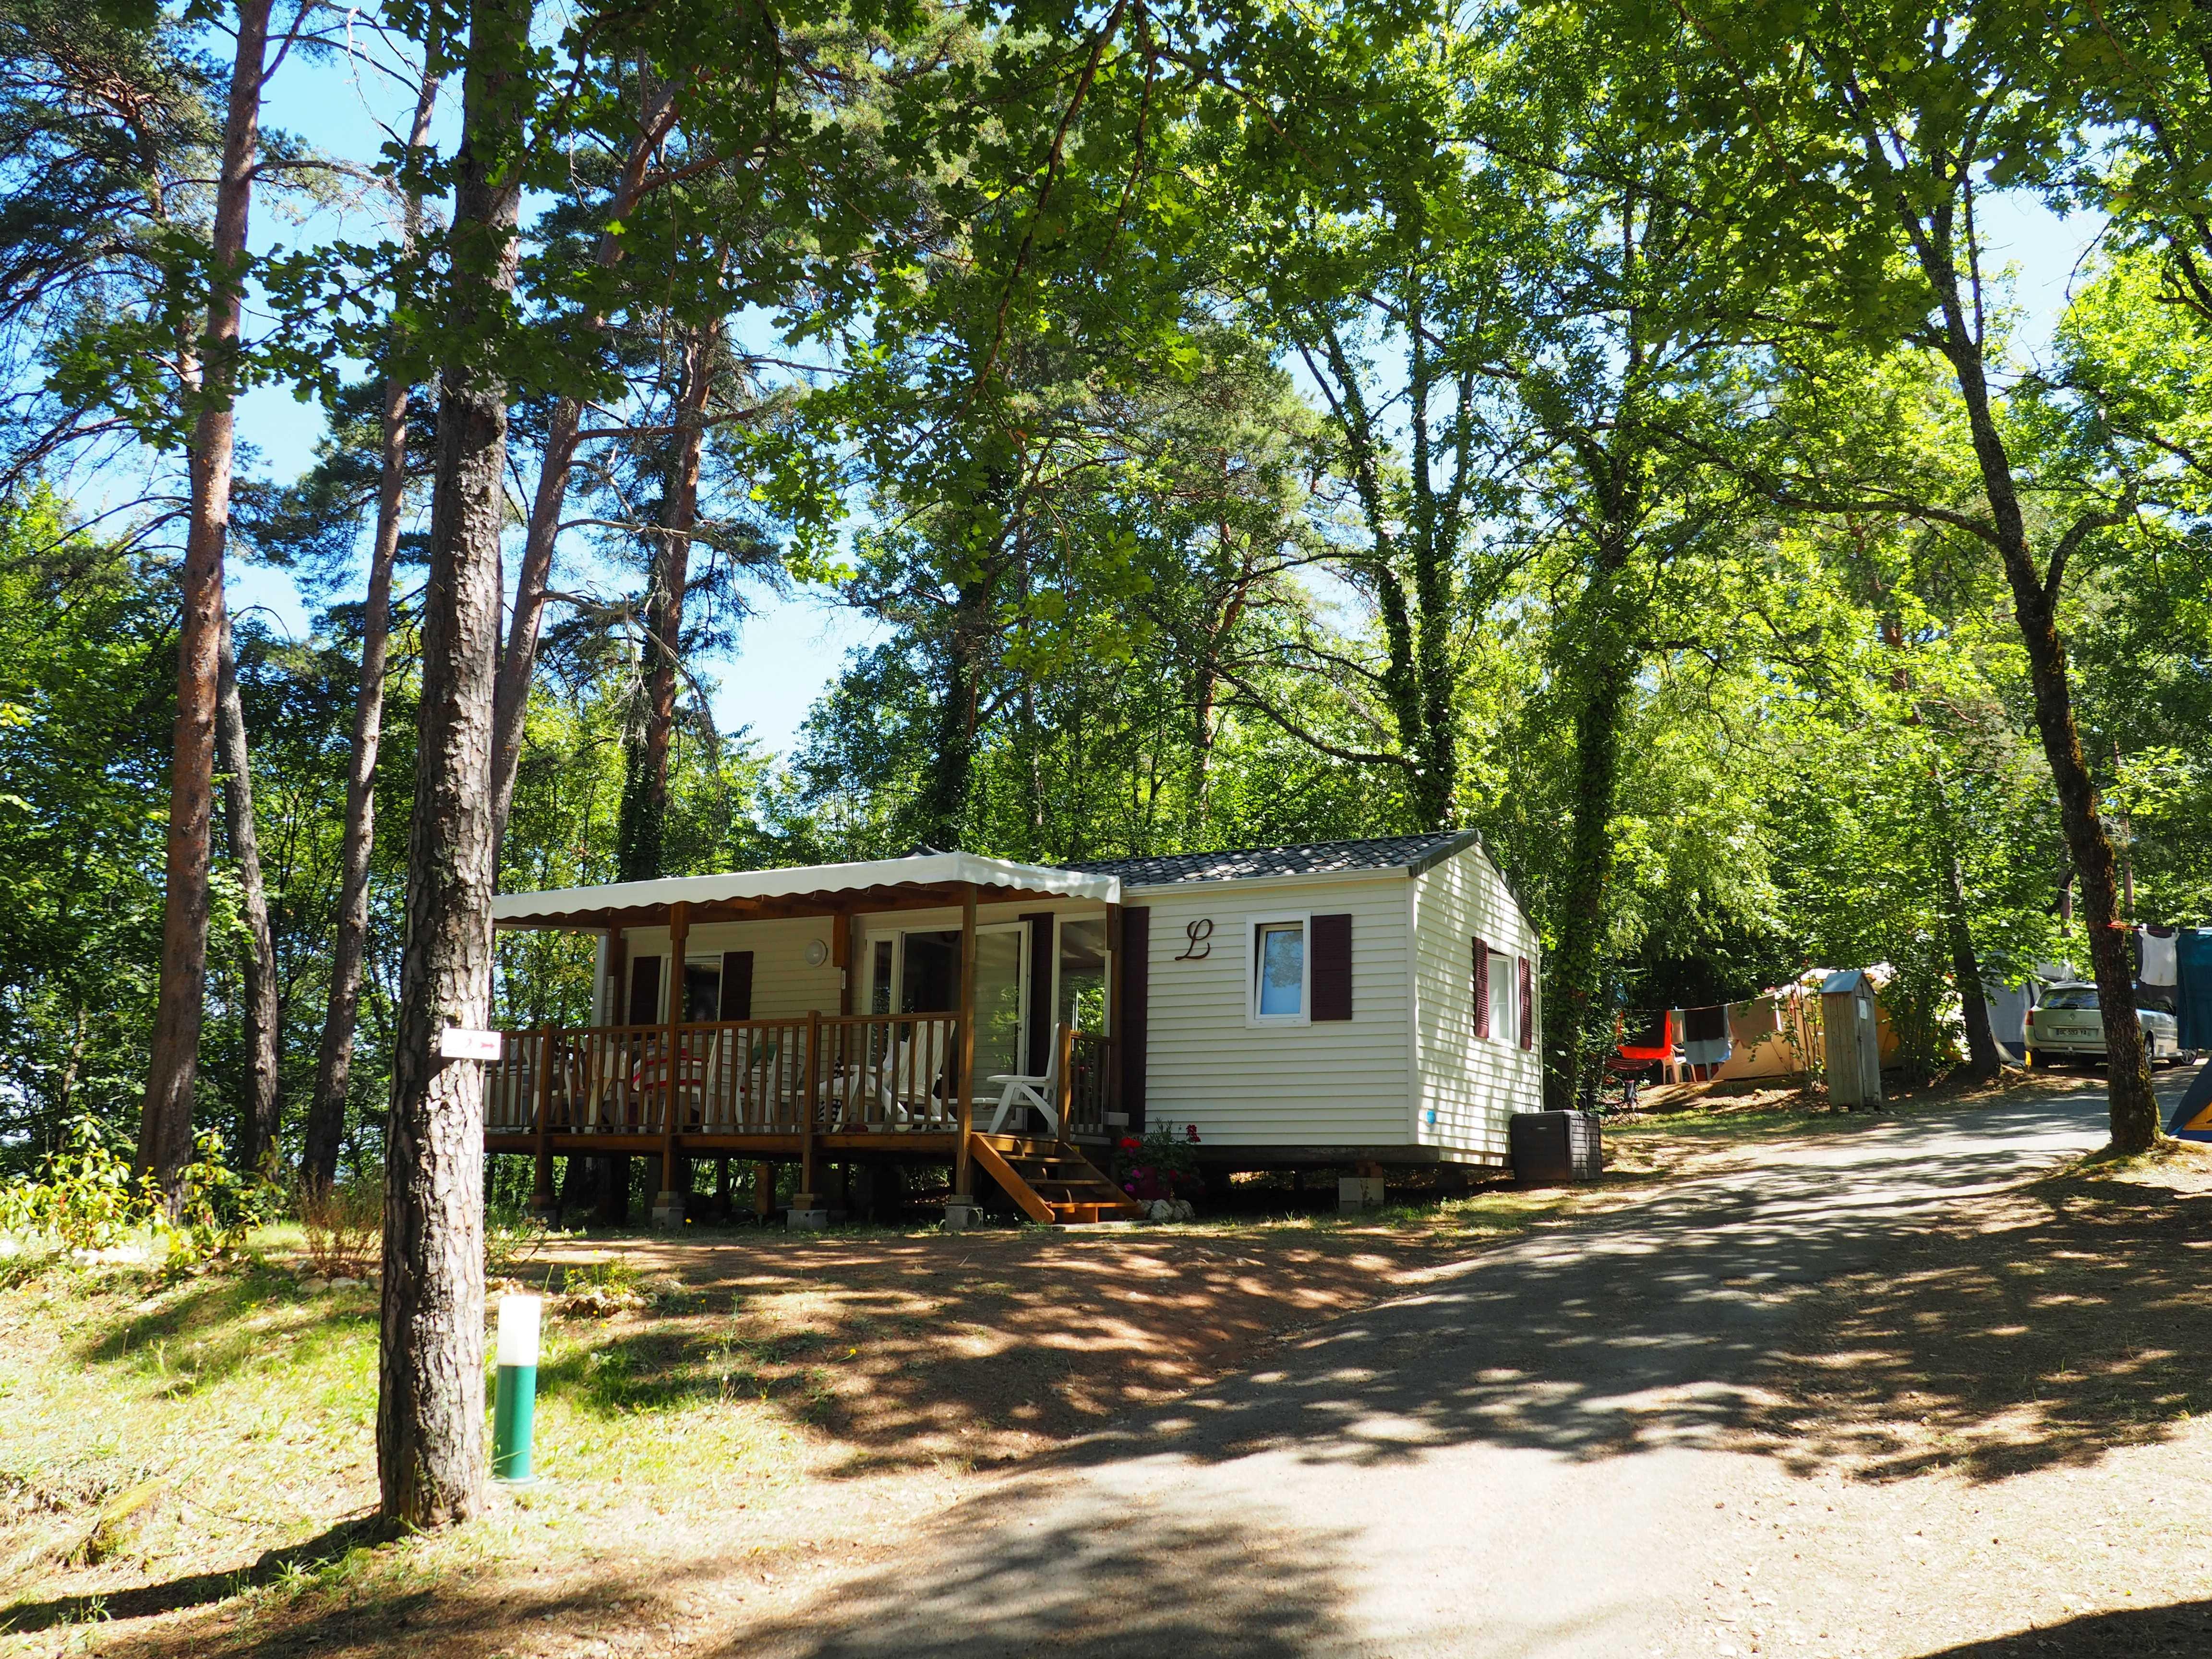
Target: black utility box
point(1551, 1149)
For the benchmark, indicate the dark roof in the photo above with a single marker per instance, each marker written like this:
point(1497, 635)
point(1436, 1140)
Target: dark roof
point(1412, 852)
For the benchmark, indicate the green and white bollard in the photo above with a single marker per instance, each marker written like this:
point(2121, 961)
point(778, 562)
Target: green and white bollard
point(514, 1404)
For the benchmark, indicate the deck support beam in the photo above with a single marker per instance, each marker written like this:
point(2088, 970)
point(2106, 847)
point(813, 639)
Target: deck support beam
point(962, 1199)
point(805, 1204)
point(668, 1207)
point(542, 1201)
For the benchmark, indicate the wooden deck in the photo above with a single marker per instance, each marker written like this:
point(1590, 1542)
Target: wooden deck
point(846, 1087)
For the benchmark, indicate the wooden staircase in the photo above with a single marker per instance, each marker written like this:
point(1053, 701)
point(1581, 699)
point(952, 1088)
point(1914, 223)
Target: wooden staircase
point(1056, 1185)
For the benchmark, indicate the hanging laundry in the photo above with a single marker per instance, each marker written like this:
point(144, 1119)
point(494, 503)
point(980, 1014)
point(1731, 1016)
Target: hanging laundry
point(2160, 965)
point(1705, 1036)
point(1647, 1034)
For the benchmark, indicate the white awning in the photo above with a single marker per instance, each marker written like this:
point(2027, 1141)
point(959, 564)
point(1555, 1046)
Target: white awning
point(926, 870)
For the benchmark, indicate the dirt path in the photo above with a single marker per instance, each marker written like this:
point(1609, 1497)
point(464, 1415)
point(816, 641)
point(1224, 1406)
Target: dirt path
point(1596, 1441)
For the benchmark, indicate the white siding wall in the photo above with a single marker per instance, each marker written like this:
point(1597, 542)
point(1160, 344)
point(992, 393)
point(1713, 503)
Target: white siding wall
point(1336, 1083)
point(1470, 1082)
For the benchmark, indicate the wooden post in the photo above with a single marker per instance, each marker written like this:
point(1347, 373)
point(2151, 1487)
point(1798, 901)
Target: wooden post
point(1063, 1093)
point(964, 1053)
point(806, 1199)
point(1111, 1084)
point(764, 1190)
point(668, 1208)
point(541, 1193)
point(840, 953)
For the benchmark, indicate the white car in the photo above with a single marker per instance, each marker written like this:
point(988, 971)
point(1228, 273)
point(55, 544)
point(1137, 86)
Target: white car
point(2067, 1025)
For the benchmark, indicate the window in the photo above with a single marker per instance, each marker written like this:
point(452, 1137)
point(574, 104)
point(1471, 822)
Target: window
point(1082, 999)
point(1502, 997)
point(1279, 970)
point(703, 988)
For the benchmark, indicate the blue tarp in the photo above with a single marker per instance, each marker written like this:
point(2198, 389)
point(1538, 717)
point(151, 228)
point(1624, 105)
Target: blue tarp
point(2193, 997)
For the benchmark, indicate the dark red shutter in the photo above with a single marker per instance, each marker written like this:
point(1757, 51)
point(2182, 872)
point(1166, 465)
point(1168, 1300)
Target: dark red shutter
point(736, 985)
point(1132, 967)
point(645, 991)
point(1040, 1012)
point(1527, 1005)
point(1330, 973)
point(1481, 988)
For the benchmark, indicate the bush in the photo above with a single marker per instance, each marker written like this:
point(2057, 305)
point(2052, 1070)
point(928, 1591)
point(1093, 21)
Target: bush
point(87, 1198)
point(1158, 1166)
point(345, 1227)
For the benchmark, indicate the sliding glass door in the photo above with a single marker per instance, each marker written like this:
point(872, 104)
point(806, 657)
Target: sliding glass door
point(918, 972)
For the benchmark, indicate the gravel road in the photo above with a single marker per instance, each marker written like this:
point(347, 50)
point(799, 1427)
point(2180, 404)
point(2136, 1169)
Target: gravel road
point(1542, 1454)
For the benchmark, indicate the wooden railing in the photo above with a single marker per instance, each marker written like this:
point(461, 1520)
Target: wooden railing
point(1088, 1086)
point(860, 1072)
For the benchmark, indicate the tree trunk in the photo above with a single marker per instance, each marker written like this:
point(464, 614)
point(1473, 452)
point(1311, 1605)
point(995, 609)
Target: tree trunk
point(519, 661)
point(1571, 1002)
point(2131, 1103)
point(257, 1141)
point(165, 1128)
point(644, 819)
point(944, 804)
point(1983, 1062)
point(430, 1406)
point(326, 1111)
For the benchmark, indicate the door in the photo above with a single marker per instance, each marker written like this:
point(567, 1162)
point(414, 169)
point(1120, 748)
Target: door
point(918, 972)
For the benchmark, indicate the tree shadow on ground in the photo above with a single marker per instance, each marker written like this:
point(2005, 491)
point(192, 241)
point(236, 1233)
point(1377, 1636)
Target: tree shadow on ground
point(910, 1350)
point(226, 1324)
point(1074, 1586)
point(2044, 1327)
point(1655, 1326)
point(194, 1590)
point(1640, 1330)
point(2182, 1628)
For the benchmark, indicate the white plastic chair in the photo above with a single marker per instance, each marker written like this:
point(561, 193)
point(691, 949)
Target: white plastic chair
point(1018, 1089)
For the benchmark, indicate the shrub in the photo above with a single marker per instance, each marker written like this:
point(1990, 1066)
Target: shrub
point(343, 1226)
point(87, 1198)
point(1161, 1165)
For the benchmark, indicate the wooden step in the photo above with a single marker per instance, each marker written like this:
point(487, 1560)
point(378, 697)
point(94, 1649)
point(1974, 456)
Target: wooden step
point(1079, 1196)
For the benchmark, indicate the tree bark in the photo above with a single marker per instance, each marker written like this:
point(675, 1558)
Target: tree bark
point(1983, 1062)
point(644, 819)
point(165, 1129)
point(2131, 1103)
point(519, 661)
point(1571, 1002)
point(326, 1111)
point(430, 1407)
point(257, 1141)
point(944, 806)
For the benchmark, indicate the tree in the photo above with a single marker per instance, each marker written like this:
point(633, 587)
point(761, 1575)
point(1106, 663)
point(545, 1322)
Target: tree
point(429, 1422)
point(319, 1158)
point(1872, 136)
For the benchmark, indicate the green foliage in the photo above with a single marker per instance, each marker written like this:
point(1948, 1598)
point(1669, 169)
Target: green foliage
point(87, 1198)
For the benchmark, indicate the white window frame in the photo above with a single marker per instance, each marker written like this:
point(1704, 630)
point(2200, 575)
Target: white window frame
point(1511, 1034)
point(1253, 1016)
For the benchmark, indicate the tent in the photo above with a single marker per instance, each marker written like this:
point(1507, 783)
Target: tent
point(2193, 1119)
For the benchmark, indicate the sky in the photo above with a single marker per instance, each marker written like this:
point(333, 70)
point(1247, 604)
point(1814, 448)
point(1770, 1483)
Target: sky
point(788, 654)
